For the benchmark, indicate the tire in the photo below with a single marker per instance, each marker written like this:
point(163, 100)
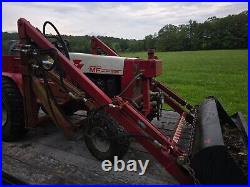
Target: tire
point(104, 127)
point(13, 126)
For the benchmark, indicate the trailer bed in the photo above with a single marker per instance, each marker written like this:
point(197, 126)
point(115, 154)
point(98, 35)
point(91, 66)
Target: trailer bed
point(45, 156)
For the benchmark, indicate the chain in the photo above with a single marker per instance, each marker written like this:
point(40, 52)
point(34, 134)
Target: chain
point(185, 163)
point(193, 129)
point(192, 173)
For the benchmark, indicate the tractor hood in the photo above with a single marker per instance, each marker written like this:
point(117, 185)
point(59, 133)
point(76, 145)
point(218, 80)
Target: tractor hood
point(89, 63)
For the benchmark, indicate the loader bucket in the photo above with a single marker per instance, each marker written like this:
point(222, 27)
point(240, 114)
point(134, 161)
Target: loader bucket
point(219, 153)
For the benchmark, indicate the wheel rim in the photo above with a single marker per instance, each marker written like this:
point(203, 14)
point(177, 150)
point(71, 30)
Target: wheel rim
point(4, 115)
point(99, 140)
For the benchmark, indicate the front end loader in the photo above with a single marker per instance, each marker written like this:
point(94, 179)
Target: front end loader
point(121, 98)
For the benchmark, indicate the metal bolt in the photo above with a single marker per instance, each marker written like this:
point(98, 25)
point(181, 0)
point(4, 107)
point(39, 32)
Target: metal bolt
point(141, 124)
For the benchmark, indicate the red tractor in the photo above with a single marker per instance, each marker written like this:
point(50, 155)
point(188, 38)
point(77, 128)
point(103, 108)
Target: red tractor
point(121, 97)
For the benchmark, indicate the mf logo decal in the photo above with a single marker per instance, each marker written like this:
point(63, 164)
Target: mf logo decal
point(78, 64)
point(99, 69)
point(95, 69)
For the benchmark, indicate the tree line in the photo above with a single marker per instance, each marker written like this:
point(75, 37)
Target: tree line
point(230, 32)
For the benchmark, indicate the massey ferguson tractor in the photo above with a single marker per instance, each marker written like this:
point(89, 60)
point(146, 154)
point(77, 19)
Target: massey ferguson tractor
point(121, 97)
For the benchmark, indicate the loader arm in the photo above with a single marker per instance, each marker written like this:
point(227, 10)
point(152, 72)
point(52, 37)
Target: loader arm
point(160, 146)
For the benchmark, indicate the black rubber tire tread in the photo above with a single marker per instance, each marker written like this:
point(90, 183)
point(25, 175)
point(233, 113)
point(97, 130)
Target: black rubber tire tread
point(14, 129)
point(119, 145)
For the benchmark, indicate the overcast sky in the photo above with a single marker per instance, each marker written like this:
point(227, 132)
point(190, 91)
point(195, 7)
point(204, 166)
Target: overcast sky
point(126, 20)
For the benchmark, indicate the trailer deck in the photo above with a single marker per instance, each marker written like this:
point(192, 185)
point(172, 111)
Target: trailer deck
point(45, 156)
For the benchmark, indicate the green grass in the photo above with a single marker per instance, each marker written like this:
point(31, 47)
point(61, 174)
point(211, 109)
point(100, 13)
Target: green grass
point(197, 74)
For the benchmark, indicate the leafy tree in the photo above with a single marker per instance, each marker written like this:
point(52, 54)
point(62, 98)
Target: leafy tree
point(230, 32)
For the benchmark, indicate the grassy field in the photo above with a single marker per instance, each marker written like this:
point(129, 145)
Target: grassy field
point(197, 74)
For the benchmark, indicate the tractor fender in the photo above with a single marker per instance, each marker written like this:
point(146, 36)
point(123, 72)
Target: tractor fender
point(16, 78)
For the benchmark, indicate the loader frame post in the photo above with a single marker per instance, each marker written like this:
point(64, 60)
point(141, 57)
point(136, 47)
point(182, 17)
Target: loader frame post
point(146, 96)
point(97, 44)
point(29, 98)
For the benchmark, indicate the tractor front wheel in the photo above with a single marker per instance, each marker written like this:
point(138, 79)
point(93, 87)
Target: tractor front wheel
point(13, 127)
point(105, 138)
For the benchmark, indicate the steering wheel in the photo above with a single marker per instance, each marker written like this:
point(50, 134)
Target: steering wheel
point(61, 44)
